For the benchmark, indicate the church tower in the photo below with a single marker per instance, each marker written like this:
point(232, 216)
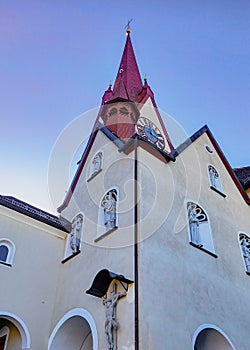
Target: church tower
point(148, 226)
point(129, 109)
point(151, 247)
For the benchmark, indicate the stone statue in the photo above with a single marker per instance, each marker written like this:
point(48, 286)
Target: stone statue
point(76, 233)
point(96, 163)
point(109, 208)
point(214, 176)
point(245, 247)
point(194, 225)
point(111, 324)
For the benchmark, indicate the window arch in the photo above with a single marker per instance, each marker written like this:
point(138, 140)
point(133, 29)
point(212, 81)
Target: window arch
point(211, 337)
point(96, 164)
point(7, 251)
point(83, 316)
point(199, 228)
point(245, 250)
point(20, 325)
point(108, 212)
point(74, 239)
point(214, 179)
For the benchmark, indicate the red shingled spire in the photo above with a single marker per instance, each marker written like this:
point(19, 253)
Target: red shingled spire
point(129, 73)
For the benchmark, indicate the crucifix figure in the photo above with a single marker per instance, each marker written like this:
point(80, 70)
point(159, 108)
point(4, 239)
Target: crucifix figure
point(111, 324)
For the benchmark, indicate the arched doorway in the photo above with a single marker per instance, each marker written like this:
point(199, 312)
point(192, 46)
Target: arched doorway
point(212, 338)
point(76, 331)
point(13, 332)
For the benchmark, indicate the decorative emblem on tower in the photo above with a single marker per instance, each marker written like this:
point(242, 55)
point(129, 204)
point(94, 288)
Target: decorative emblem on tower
point(149, 131)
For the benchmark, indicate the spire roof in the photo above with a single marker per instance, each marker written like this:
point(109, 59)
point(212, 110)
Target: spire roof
point(128, 73)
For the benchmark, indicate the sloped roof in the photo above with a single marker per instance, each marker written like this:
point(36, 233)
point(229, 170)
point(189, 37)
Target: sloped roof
point(35, 213)
point(237, 177)
point(128, 74)
point(243, 175)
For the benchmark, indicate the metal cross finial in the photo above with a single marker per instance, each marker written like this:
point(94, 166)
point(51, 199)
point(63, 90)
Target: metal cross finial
point(128, 25)
point(128, 30)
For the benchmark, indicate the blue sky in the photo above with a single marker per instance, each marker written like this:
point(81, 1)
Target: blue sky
point(57, 58)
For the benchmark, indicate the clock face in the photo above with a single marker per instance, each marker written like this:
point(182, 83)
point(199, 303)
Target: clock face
point(149, 131)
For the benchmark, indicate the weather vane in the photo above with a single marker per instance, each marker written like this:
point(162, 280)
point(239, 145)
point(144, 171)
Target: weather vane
point(127, 26)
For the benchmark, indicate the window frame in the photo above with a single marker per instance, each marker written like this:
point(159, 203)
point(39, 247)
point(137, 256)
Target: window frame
point(11, 251)
point(218, 189)
point(208, 229)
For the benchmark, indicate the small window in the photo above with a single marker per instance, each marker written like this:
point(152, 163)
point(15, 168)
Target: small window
point(7, 251)
point(245, 250)
point(199, 228)
point(96, 165)
point(4, 251)
point(108, 218)
point(209, 149)
point(214, 179)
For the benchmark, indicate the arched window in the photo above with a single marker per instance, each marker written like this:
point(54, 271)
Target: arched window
point(7, 251)
point(214, 179)
point(96, 164)
point(108, 217)
point(74, 240)
point(199, 228)
point(4, 251)
point(245, 250)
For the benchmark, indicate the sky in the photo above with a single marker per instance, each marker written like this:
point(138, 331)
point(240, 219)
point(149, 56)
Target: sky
point(58, 57)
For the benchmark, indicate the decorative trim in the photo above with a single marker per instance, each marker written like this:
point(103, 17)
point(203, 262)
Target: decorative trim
point(218, 191)
point(203, 249)
point(33, 212)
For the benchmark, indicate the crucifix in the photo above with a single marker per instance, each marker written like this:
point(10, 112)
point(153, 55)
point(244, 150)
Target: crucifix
point(111, 323)
point(127, 26)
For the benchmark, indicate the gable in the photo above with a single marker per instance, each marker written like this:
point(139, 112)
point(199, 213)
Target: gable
point(206, 141)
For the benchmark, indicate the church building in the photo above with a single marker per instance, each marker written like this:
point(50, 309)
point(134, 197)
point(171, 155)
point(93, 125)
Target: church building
point(150, 248)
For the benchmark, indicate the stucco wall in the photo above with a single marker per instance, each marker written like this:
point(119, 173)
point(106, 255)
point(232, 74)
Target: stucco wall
point(182, 287)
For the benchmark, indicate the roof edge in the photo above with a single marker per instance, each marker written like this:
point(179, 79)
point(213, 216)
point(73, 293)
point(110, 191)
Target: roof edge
point(35, 213)
point(195, 136)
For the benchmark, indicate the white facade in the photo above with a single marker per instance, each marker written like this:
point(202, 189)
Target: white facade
point(168, 277)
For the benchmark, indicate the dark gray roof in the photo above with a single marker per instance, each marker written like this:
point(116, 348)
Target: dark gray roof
point(243, 175)
point(35, 213)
